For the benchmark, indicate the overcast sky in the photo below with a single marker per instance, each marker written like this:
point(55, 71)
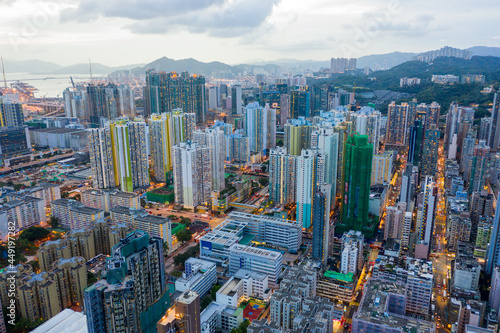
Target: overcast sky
point(121, 32)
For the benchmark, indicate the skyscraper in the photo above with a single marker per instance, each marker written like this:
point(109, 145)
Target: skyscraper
point(160, 136)
point(356, 183)
point(236, 99)
point(297, 135)
point(398, 121)
point(300, 105)
point(11, 114)
point(75, 103)
point(494, 135)
point(479, 167)
point(215, 140)
point(368, 123)
point(102, 102)
point(165, 92)
point(282, 176)
point(133, 294)
point(192, 174)
point(428, 165)
point(428, 209)
point(327, 141)
point(102, 158)
point(310, 170)
point(237, 148)
point(415, 143)
point(321, 222)
point(493, 258)
point(131, 154)
point(260, 127)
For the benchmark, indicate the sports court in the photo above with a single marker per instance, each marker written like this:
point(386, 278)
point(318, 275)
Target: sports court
point(253, 309)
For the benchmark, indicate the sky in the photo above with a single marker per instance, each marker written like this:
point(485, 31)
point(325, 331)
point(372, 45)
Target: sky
point(123, 32)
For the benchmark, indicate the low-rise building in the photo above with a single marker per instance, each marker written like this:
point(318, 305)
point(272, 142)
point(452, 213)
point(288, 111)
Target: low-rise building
point(336, 286)
point(21, 212)
point(382, 309)
point(257, 260)
point(109, 199)
point(199, 276)
point(73, 214)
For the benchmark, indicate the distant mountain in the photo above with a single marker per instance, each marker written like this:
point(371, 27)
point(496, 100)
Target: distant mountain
point(388, 60)
point(96, 68)
point(191, 65)
point(484, 51)
point(29, 66)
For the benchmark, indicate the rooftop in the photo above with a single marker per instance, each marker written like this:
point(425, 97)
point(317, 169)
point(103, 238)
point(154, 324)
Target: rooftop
point(65, 321)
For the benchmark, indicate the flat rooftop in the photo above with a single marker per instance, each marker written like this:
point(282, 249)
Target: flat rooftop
point(65, 321)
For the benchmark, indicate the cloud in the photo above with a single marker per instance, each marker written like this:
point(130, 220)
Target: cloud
point(219, 18)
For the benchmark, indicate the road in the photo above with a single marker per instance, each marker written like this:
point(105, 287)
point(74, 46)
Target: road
point(441, 263)
point(353, 305)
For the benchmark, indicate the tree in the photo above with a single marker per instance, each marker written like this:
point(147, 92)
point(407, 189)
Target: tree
point(242, 328)
point(205, 302)
point(184, 236)
point(54, 221)
point(263, 181)
point(65, 195)
point(91, 278)
point(214, 290)
point(78, 197)
point(34, 233)
point(35, 265)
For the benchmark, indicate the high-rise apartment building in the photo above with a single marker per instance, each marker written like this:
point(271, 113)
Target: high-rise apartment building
point(297, 135)
point(352, 252)
point(260, 127)
point(399, 118)
point(382, 167)
point(300, 105)
point(394, 221)
point(428, 165)
point(165, 92)
point(326, 140)
point(133, 294)
point(494, 133)
point(342, 65)
point(15, 146)
point(368, 123)
point(119, 156)
point(428, 210)
point(321, 223)
point(215, 140)
point(310, 173)
point(192, 174)
point(237, 148)
point(102, 158)
point(75, 103)
point(493, 258)
point(236, 100)
point(282, 176)
point(131, 155)
point(11, 114)
point(356, 183)
point(479, 166)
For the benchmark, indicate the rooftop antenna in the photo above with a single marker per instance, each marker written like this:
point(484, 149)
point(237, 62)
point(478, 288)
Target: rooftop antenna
point(90, 66)
point(3, 70)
